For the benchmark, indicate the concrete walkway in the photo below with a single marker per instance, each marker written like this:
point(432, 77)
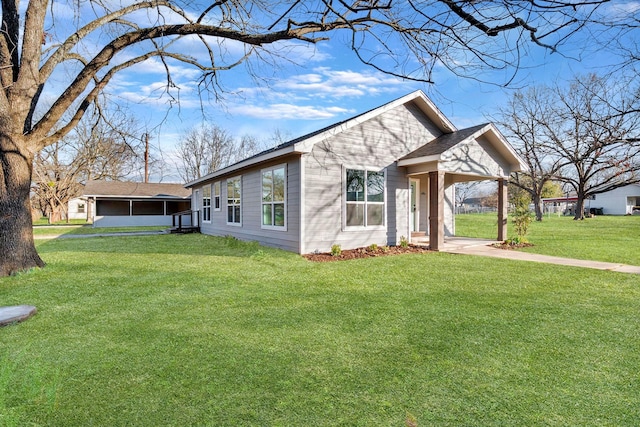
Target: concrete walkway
point(481, 247)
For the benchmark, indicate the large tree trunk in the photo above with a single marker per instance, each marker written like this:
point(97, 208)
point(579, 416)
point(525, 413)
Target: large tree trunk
point(17, 249)
point(579, 214)
point(537, 203)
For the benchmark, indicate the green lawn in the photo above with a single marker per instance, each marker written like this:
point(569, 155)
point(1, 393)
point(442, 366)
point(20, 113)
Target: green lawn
point(602, 238)
point(56, 230)
point(45, 221)
point(195, 330)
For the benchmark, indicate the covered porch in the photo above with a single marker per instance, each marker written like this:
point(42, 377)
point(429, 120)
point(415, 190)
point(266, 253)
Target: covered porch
point(475, 154)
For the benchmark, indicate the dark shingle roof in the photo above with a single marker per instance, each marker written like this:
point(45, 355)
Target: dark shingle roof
point(443, 143)
point(135, 189)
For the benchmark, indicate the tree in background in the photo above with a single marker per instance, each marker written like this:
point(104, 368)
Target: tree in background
point(594, 132)
point(55, 181)
point(207, 148)
point(94, 41)
point(519, 120)
point(248, 146)
point(101, 147)
point(464, 190)
point(203, 150)
point(585, 135)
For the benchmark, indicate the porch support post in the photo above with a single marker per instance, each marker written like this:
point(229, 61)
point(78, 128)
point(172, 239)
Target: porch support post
point(502, 209)
point(436, 210)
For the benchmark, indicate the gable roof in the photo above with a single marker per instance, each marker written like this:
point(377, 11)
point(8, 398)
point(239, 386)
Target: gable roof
point(443, 143)
point(305, 143)
point(135, 189)
point(434, 150)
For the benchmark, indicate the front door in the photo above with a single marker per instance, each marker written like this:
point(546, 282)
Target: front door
point(414, 218)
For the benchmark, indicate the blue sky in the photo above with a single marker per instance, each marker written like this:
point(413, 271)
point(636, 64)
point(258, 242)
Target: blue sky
point(325, 85)
point(298, 100)
point(331, 86)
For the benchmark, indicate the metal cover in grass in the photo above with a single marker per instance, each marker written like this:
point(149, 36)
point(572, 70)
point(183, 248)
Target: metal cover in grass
point(16, 313)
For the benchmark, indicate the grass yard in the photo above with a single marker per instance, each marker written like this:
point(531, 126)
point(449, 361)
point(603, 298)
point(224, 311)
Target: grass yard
point(45, 221)
point(56, 230)
point(178, 330)
point(602, 238)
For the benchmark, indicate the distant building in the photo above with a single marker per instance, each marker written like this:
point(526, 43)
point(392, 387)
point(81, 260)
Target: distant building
point(117, 203)
point(621, 201)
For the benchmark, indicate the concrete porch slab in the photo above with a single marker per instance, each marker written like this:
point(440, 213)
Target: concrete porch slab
point(453, 243)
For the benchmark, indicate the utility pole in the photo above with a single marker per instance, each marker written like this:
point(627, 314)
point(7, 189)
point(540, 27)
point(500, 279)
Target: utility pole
point(146, 158)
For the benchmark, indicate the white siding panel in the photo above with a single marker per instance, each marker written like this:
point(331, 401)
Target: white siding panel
point(251, 228)
point(375, 144)
point(476, 158)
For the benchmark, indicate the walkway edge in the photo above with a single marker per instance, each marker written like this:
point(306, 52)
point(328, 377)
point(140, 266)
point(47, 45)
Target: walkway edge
point(490, 251)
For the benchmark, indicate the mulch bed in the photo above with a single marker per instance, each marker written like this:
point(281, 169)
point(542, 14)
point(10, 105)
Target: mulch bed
point(391, 250)
point(509, 246)
point(366, 253)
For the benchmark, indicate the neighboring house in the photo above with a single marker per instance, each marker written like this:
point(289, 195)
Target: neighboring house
point(116, 203)
point(621, 201)
point(374, 178)
point(77, 209)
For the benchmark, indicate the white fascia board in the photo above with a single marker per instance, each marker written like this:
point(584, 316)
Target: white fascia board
point(508, 147)
point(445, 123)
point(419, 160)
point(500, 143)
point(428, 107)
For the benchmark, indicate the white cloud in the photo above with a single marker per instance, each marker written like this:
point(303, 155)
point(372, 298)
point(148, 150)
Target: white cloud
point(325, 94)
point(621, 9)
point(288, 111)
point(327, 82)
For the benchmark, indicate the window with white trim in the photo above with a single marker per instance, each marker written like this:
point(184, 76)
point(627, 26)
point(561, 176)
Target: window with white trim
point(234, 200)
point(216, 196)
point(274, 187)
point(206, 203)
point(365, 198)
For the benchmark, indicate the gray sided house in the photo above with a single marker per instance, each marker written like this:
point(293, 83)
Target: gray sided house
point(123, 204)
point(373, 179)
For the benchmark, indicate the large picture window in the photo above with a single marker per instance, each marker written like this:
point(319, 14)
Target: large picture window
point(234, 200)
point(206, 203)
point(274, 187)
point(216, 196)
point(364, 198)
